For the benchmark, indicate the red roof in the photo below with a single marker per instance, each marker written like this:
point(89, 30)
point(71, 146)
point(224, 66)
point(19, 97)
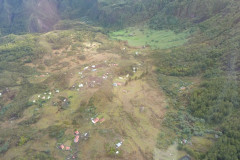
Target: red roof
point(76, 139)
point(67, 148)
point(102, 120)
point(96, 120)
point(62, 146)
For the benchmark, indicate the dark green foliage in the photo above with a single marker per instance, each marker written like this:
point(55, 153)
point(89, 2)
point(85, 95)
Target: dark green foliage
point(15, 51)
point(3, 146)
point(18, 48)
point(56, 131)
point(77, 8)
point(184, 125)
point(111, 150)
point(31, 120)
point(164, 140)
point(58, 80)
point(172, 14)
point(215, 100)
point(187, 61)
point(227, 147)
point(36, 155)
point(12, 17)
point(213, 54)
point(20, 102)
point(43, 156)
point(58, 40)
point(91, 111)
point(23, 140)
point(190, 151)
point(161, 21)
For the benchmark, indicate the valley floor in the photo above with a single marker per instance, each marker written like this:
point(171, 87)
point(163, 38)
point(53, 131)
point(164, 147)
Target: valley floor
point(115, 85)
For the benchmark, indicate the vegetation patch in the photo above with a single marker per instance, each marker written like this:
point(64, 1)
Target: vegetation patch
point(156, 39)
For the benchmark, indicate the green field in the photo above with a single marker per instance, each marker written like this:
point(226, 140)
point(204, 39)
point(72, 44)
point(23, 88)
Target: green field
point(161, 39)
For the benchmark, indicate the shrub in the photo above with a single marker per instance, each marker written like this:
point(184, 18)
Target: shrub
point(22, 140)
point(82, 57)
point(56, 131)
point(4, 147)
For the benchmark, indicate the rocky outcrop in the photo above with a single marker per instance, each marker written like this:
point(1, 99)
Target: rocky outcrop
point(28, 15)
point(44, 15)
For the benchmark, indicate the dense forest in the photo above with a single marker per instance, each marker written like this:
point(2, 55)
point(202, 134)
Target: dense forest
point(19, 16)
point(212, 54)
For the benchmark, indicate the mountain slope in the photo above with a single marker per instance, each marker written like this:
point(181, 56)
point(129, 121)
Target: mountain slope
point(185, 92)
point(27, 16)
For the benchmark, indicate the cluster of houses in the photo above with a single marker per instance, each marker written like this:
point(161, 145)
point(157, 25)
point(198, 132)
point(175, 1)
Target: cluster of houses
point(77, 135)
point(118, 145)
point(45, 96)
point(96, 120)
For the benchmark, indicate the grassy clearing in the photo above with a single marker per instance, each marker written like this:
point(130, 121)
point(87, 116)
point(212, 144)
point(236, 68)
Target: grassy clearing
point(161, 39)
point(171, 153)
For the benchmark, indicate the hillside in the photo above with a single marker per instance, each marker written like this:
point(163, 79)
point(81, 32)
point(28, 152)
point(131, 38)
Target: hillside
point(140, 79)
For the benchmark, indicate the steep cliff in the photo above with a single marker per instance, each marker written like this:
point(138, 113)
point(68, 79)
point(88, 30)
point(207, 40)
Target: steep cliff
point(18, 16)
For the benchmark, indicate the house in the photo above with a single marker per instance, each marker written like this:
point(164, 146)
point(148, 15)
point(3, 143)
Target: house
point(68, 148)
point(62, 146)
point(187, 157)
point(119, 84)
point(102, 120)
point(184, 141)
point(95, 120)
point(76, 132)
point(76, 139)
point(134, 69)
point(104, 77)
point(182, 88)
point(118, 144)
point(86, 135)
